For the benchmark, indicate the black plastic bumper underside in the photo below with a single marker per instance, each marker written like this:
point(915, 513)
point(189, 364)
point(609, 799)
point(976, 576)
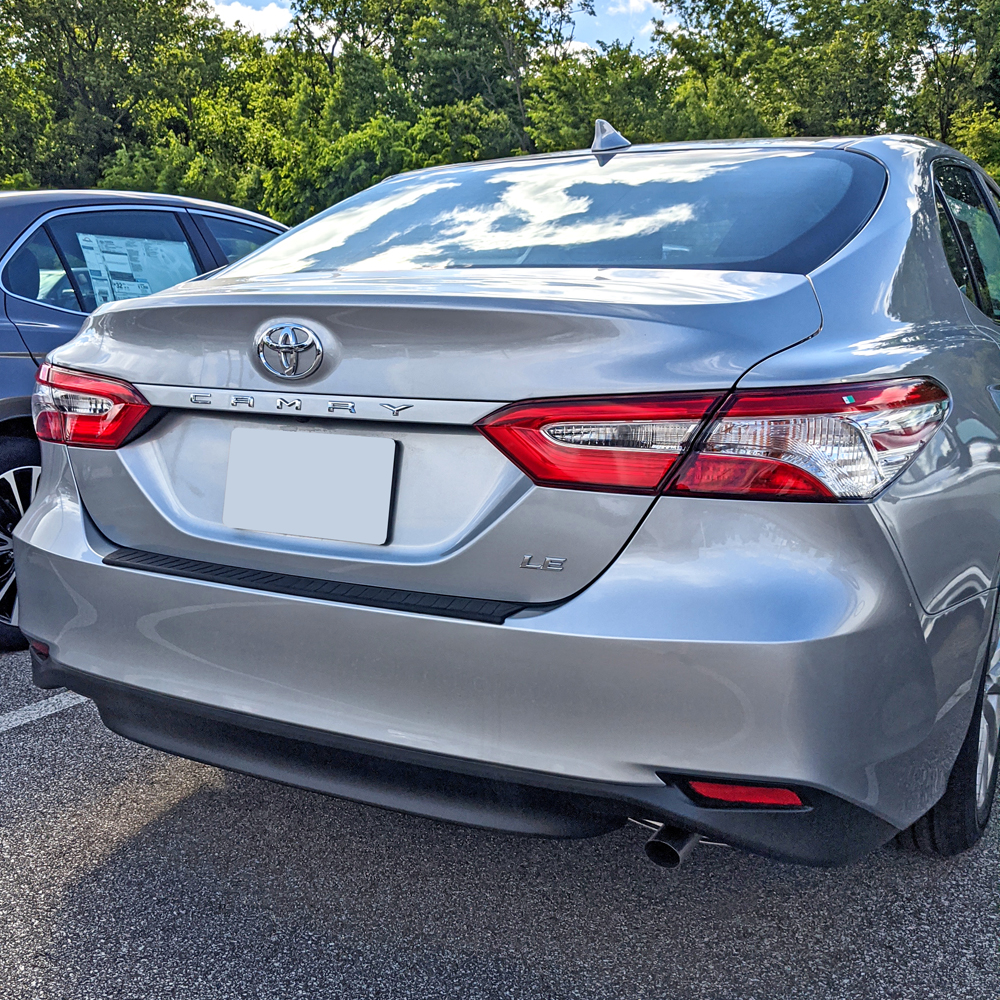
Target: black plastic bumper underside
point(470, 608)
point(830, 832)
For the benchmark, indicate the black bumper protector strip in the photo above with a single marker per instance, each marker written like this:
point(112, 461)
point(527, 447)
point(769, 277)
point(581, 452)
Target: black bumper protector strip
point(470, 608)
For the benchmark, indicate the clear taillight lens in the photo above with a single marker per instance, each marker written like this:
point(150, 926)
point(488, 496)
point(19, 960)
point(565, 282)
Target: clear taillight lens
point(816, 443)
point(625, 444)
point(89, 411)
point(845, 442)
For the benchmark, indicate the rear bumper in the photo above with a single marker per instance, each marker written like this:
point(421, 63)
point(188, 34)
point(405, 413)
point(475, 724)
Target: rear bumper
point(829, 831)
point(767, 642)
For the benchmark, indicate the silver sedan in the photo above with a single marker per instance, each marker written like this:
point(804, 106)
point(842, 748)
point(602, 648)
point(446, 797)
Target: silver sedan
point(636, 483)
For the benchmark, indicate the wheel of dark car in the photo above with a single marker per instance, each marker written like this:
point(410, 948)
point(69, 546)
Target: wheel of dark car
point(959, 818)
point(20, 467)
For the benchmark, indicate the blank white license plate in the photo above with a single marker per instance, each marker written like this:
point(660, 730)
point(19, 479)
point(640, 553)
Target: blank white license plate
point(312, 484)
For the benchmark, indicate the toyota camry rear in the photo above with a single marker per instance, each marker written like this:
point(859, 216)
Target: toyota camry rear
point(541, 495)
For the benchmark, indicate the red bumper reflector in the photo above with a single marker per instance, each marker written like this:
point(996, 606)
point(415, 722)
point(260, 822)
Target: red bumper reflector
point(754, 795)
point(39, 647)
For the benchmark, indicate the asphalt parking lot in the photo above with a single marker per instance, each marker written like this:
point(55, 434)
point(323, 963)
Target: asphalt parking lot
point(128, 873)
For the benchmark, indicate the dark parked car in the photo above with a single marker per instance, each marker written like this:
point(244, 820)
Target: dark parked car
point(62, 254)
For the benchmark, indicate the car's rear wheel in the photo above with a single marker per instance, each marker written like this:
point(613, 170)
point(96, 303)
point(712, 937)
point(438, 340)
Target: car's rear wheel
point(959, 818)
point(20, 468)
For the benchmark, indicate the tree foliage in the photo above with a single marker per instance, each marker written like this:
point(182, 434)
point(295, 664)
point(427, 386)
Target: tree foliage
point(159, 95)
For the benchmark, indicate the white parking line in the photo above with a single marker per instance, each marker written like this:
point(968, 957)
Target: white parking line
point(38, 710)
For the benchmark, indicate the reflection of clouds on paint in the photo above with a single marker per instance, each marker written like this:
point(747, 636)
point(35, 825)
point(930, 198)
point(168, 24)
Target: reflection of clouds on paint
point(543, 184)
point(498, 215)
point(476, 230)
point(535, 208)
point(293, 251)
point(267, 20)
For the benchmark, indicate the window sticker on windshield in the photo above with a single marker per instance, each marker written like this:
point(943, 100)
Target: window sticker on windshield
point(123, 267)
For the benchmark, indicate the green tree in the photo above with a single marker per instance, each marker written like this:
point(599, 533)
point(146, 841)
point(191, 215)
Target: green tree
point(977, 133)
point(159, 95)
point(631, 89)
point(89, 62)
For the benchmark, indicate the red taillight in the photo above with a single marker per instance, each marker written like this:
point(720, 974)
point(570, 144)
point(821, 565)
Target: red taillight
point(626, 444)
point(822, 443)
point(758, 477)
point(90, 411)
point(816, 443)
point(750, 795)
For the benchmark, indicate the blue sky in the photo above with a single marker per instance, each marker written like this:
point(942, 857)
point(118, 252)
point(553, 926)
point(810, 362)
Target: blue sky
point(621, 19)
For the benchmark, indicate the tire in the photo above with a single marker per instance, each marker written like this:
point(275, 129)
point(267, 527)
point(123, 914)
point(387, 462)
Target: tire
point(959, 818)
point(20, 467)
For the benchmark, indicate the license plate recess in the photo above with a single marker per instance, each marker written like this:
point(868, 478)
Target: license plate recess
point(310, 484)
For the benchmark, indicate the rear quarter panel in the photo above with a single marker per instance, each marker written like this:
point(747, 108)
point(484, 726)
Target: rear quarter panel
point(891, 308)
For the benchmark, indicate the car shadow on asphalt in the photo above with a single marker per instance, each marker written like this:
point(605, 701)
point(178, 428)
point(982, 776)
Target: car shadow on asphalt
point(237, 887)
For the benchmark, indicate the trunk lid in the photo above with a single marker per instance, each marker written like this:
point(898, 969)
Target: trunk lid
point(450, 347)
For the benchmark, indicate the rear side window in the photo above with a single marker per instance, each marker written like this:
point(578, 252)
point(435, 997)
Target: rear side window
point(977, 229)
point(994, 198)
point(769, 209)
point(123, 254)
point(36, 272)
point(954, 253)
point(235, 238)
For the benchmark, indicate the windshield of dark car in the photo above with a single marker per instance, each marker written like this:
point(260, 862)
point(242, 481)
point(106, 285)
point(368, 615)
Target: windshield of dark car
point(777, 209)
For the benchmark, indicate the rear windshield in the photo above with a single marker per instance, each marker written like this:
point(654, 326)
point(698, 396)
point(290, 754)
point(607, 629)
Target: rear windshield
point(783, 210)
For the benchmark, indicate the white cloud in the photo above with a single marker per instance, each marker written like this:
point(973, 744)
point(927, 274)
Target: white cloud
point(572, 48)
point(267, 21)
point(630, 7)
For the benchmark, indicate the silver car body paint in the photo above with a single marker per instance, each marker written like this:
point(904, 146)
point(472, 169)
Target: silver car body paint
point(688, 329)
point(776, 640)
point(944, 512)
point(827, 645)
point(503, 335)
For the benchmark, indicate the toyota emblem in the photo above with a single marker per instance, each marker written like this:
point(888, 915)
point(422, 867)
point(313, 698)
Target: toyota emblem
point(289, 350)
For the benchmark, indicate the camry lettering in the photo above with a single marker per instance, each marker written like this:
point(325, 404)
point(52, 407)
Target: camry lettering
point(241, 401)
point(344, 405)
point(201, 398)
point(396, 408)
point(291, 404)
